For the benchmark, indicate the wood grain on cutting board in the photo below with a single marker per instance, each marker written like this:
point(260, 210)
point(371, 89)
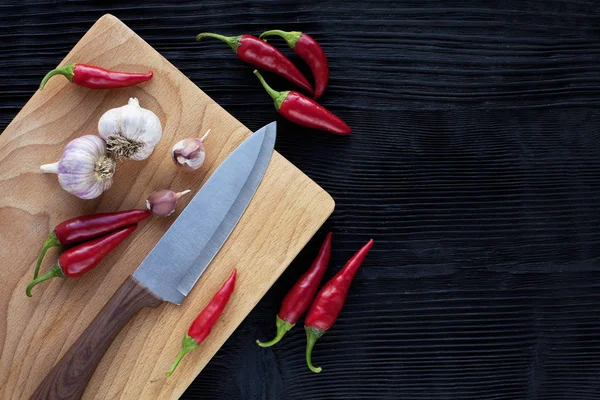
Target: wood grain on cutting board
point(35, 332)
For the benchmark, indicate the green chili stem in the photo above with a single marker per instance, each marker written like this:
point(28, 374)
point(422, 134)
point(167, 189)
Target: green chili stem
point(55, 272)
point(282, 328)
point(312, 335)
point(232, 41)
point(278, 97)
point(187, 344)
point(67, 71)
point(51, 241)
point(291, 38)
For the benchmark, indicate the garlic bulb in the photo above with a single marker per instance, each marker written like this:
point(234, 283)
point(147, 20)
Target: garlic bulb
point(189, 153)
point(130, 131)
point(163, 202)
point(84, 169)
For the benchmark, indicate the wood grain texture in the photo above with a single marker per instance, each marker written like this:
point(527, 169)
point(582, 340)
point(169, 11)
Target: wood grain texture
point(473, 164)
point(35, 333)
point(70, 376)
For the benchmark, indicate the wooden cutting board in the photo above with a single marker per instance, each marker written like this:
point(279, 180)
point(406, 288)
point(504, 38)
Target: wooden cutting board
point(35, 332)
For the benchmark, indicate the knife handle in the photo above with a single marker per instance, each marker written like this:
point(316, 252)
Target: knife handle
point(69, 378)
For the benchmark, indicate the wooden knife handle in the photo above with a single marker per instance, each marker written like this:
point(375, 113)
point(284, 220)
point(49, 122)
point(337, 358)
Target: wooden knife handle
point(69, 378)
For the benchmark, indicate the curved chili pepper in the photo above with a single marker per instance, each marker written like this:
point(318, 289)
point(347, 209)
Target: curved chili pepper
point(204, 322)
point(264, 56)
point(84, 257)
point(299, 297)
point(95, 77)
point(311, 52)
point(86, 227)
point(304, 111)
point(329, 302)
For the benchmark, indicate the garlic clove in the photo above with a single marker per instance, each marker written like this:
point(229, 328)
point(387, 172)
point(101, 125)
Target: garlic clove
point(84, 169)
point(163, 202)
point(189, 154)
point(130, 131)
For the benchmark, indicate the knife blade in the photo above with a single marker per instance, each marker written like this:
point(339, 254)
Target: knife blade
point(173, 266)
point(196, 236)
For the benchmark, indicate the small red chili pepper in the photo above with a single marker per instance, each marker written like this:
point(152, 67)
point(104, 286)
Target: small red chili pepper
point(84, 257)
point(329, 302)
point(96, 78)
point(204, 322)
point(264, 56)
point(309, 50)
point(299, 297)
point(304, 111)
point(86, 227)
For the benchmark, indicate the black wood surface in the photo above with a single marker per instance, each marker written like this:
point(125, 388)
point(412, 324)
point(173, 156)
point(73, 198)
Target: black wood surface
point(474, 164)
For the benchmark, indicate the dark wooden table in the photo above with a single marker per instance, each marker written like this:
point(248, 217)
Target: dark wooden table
point(474, 164)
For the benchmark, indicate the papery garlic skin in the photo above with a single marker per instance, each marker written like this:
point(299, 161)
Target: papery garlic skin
point(189, 154)
point(130, 131)
point(162, 202)
point(84, 169)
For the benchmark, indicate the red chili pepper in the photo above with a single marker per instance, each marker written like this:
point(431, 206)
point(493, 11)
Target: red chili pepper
point(95, 77)
point(299, 297)
point(309, 50)
point(84, 257)
point(86, 227)
point(264, 56)
point(329, 302)
point(202, 325)
point(304, 111)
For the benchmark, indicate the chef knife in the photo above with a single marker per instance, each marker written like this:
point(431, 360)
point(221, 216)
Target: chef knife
point(173, 266)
